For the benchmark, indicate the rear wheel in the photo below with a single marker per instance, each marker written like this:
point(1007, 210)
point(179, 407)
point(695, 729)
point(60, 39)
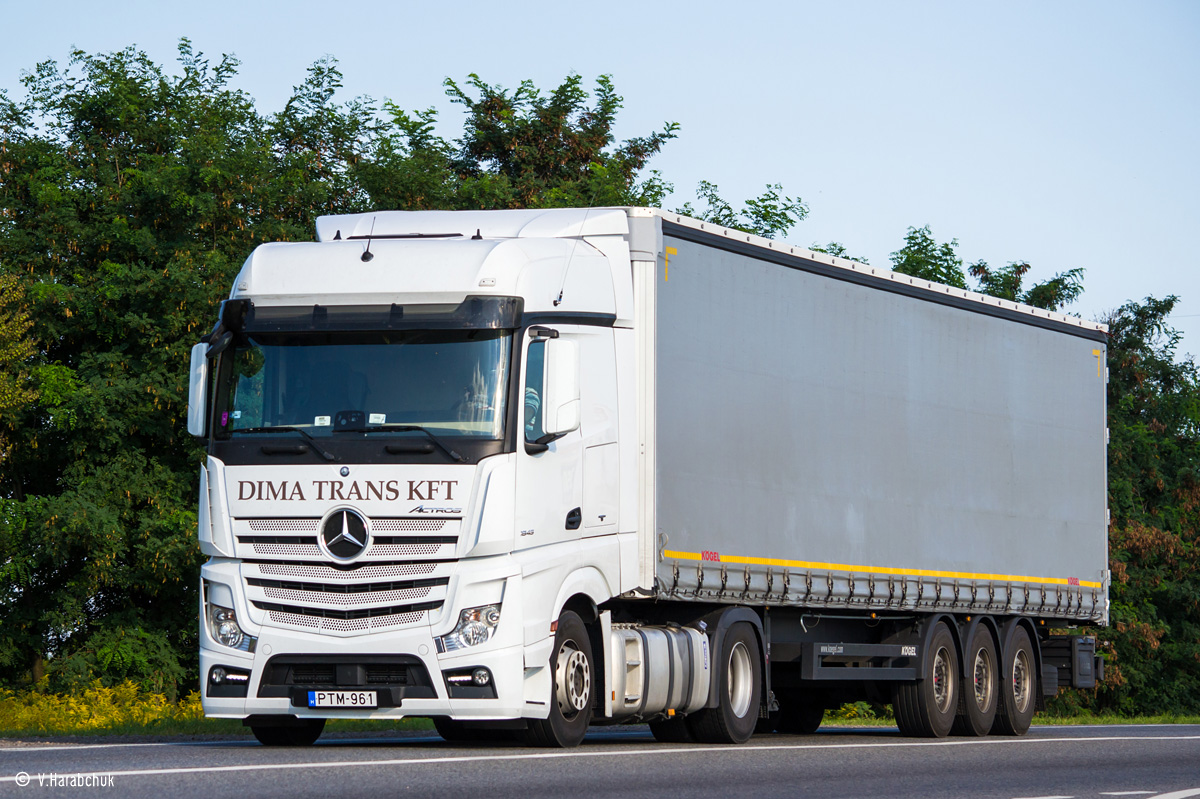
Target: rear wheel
point(304, 734)
point(739, 693)
point(571, 700)
point(1017, 686)
point(926, 708)
point(981, 692)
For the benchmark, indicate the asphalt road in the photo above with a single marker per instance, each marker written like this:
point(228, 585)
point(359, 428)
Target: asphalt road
point(1082, 762)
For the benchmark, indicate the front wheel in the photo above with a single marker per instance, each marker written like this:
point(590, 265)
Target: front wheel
point(739, 694)
point(573, 687)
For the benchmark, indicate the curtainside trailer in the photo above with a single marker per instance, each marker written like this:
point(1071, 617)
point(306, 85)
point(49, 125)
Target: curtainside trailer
point(527, 471)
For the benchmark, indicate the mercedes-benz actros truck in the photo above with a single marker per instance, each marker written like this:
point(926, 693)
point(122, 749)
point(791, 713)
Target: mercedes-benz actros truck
point(527, 471)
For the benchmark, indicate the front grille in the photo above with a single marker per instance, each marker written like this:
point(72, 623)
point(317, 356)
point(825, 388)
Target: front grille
point(403, 574)
point(330, 573)
point(362, 613)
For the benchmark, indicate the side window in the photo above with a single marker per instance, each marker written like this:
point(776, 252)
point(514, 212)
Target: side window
point(534, 377)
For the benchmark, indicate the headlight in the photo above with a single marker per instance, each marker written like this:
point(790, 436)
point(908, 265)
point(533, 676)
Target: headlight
point(475, 626)
point(225, 630)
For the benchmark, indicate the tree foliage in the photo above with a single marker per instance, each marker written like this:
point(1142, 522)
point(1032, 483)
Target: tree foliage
point(1154, 499)
point(1006, 283)
point(129, 197)
point(921, 256)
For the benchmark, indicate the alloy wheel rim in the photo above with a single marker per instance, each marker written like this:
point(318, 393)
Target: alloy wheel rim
point(574, 680)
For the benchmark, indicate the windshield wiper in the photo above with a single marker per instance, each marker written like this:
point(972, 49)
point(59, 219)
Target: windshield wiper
point(404, 428)
point(284, 429)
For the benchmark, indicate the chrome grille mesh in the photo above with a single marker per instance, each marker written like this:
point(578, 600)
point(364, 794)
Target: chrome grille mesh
point(310, 593)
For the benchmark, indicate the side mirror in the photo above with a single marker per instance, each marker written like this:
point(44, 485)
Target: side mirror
point(561, 405)
point(198, 391)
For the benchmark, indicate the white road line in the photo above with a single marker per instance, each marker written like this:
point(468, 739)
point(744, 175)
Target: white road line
point(657, 750)
point(1179, 794)
point(1125, 793)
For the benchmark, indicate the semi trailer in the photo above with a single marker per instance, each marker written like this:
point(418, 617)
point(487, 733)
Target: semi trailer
point(527, 471)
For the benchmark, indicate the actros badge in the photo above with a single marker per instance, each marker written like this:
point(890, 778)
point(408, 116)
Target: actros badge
point(344, 535)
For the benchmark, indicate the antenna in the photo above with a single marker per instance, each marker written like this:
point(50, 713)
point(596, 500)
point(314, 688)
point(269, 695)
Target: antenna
point(367, 255)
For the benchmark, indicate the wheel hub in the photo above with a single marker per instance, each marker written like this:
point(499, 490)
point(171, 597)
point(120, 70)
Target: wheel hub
point(574, 678)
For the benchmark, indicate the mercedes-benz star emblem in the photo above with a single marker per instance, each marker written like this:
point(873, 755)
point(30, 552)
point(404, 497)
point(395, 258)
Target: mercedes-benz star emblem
point(344, 534)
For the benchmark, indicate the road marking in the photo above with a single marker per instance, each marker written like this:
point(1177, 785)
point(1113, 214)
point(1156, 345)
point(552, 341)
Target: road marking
point(409, 736)
point(657, 750)
point(1125, 793)
point(1179, 794)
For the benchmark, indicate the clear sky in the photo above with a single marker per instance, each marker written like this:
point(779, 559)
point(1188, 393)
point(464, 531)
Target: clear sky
point(1059, 133)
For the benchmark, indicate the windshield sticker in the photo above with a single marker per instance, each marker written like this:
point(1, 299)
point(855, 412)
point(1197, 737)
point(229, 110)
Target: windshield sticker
point(237, 414)
point(322, 421)
point(377, 418)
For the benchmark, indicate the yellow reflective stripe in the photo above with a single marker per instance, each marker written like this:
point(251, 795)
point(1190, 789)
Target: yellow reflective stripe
point(846, 567)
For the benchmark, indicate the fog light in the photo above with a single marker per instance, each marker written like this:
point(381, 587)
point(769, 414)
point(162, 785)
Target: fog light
point(481, 676)
point(218, 676)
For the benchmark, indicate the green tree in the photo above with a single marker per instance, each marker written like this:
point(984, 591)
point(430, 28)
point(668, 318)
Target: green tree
point(16, 348)
point(1154, 499)
point(1006, 283)
point(129, 198)
point(837, 249)
point(770, 214)
point(921, 256)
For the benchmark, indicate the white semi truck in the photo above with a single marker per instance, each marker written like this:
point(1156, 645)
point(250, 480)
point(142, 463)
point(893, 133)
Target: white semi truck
point(527, 471)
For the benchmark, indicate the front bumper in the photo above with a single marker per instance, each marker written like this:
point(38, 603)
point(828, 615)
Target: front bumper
point(402, 665)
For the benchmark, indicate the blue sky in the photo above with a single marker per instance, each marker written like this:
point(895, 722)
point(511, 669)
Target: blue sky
point(1059, 133)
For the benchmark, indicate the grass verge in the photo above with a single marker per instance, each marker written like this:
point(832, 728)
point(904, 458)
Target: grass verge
point(125, 710)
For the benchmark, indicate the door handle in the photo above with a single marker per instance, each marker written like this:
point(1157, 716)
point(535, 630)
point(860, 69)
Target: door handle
point(574, 518)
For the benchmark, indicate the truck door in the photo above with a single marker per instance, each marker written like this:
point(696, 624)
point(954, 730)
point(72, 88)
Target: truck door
point(549, 481)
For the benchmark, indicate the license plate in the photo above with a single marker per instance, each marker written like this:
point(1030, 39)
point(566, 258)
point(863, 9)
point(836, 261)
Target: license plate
point(342, 699)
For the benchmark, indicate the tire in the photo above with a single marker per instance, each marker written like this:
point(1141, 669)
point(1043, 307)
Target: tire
point(672, 731)
point(739, 692)
point(573, 688)
point(1018, 689)
point(306, 734)
point(981, 688)
point(926, 708)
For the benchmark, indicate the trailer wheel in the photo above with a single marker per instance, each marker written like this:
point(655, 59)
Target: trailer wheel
point(926, 708)
point(571, 701)
point(981, 691)
point(739, 693)
point(1017, 687)
point(305, 734)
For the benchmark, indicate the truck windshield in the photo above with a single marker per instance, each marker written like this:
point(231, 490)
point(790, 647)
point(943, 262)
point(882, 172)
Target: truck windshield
point(450, 382)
